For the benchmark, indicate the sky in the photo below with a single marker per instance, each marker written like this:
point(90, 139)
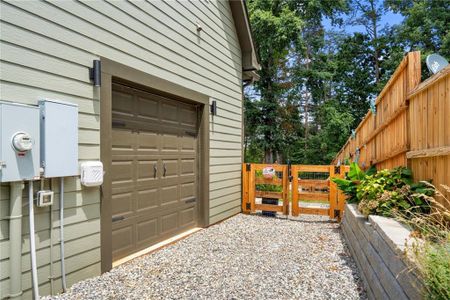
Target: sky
point(389, 18)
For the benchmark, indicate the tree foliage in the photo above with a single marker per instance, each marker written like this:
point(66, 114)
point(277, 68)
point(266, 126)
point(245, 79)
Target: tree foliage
point(316, 84)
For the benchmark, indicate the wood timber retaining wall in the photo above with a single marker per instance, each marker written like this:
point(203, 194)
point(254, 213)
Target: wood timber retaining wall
point(377, 246)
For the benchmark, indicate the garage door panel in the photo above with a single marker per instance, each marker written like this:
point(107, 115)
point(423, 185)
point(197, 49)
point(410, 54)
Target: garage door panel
point(147, 170)
point(147, 200)
point(122, 171)
point(187, 166)
point(188, 142)
point(171, 168)
point(121, 104)
point(187, 216)
point(122, 204)
point(169, 195)
point(188, 116)
point(143, 185)
point(187, 191)
point(186, 179)
point(148, 108)
point(169, 142)
point(122, 240)
point(169, 222)
point(147, 141)
point(123, 139)
point(147, 230)
point(148, 205)
point(169, 113)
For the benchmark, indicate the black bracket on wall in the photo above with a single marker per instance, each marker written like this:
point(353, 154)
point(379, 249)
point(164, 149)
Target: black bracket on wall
point(213, 108)
point(248, 167)
point(95, 73)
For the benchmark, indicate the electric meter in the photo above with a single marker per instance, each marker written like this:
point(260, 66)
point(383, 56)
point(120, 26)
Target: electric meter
point(19, 142)
point(22, 142)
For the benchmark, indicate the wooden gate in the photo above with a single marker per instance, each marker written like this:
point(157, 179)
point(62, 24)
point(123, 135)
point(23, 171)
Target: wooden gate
point(301, 189)
point(313, 191)
point(255, 185)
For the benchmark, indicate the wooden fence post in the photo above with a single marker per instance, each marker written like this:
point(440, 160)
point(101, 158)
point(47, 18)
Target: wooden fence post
point(294, 191)
point(333, 194)
point(286, 190)
point(251, 188)
point(245, 183)
point(340, 195)
point(413, 78)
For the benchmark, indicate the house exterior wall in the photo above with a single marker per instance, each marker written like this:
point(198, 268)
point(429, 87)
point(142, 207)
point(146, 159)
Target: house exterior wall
point(46, 50)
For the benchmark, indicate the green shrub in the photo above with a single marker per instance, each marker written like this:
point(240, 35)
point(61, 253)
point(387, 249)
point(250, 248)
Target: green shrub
point(389, 191)
point(349, 185)
point(436, 270)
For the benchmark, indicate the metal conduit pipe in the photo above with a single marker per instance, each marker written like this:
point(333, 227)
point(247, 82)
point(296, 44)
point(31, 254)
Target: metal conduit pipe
point(61, 233)
point(15, 240)
point(52, 277)
point(32, 241)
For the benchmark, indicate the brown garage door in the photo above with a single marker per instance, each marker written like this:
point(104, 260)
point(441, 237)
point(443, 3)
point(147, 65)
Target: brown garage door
point(154, 169)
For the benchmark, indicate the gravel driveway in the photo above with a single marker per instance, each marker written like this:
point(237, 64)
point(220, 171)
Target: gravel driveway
point(244, 257)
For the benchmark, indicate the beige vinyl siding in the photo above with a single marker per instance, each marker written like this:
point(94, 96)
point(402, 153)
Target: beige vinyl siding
point(82, 223)
point(46, 49)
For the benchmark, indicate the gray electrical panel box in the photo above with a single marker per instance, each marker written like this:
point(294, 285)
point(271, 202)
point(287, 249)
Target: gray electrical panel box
point(19, 136)
point(59, 138)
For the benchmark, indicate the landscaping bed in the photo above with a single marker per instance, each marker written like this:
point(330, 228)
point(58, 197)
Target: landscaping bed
point(377, 244)
point(399, 233)
point(244, 257)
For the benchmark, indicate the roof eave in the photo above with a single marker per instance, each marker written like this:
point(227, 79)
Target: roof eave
point(250, 60)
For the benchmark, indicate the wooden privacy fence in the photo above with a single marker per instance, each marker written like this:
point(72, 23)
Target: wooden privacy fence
point(410, 126)
point(300, 189)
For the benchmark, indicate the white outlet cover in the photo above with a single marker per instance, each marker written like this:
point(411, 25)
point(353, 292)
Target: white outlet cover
point(91, 173)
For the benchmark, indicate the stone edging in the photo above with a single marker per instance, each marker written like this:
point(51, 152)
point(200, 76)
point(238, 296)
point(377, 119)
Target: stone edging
point(377, 245)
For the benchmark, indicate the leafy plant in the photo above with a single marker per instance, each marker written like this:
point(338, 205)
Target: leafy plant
point(389, 191)
point(349, 185)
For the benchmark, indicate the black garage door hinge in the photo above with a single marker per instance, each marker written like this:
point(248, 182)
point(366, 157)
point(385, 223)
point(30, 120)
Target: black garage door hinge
point(337, 212)
point(337, 170)
point(118, 218)
point(191, 200)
